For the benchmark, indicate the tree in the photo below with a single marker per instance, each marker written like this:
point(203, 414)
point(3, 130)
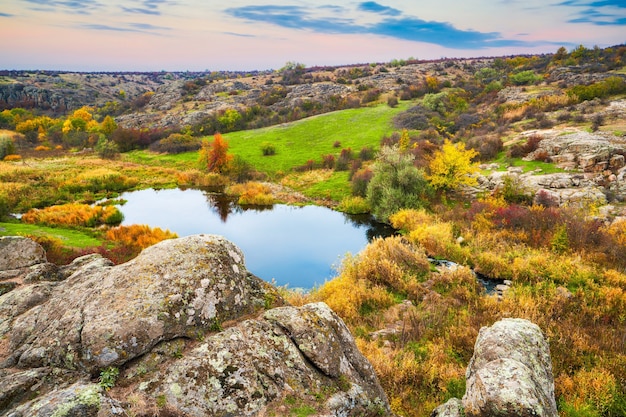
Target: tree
point(106, 149)
point(214, 155)
point(396, 184)
point(452, 167)
point(108, 126)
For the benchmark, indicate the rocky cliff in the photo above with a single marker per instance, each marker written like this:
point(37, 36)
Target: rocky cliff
point(182, 330)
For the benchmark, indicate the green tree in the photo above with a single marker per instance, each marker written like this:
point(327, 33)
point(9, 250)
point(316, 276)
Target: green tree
point(452, 167)
point(106, 149)
point(108, 126)
point(396, 184)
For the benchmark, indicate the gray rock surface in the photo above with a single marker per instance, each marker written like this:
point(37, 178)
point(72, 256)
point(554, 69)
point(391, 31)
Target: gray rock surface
point(510, 372)
point(452, 408)
point(190, 330)
point(19, 252)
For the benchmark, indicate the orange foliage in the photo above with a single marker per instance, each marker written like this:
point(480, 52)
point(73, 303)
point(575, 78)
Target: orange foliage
point(12, 157)
point(73, 214)
point(138, 235)
point(215, 154)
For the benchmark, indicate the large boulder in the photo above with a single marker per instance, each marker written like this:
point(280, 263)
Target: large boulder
point(304, 353)
point(189, 331)
point(108, 315)
point(510, 373)
point(19, 252)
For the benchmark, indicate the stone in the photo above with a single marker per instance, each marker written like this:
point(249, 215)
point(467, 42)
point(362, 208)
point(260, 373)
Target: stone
point(106, 315)
point(510, 372)
point(19, 252)
point(249, 368)
point(452, 408)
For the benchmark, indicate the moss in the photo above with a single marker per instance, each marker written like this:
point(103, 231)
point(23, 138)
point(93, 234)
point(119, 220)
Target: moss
point(86, 398)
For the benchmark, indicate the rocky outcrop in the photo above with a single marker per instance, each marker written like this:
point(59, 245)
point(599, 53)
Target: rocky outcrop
point(510, 374)
point(184, 327)
point(588, 152)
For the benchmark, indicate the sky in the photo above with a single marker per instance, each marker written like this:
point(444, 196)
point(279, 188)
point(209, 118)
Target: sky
point(245, 35)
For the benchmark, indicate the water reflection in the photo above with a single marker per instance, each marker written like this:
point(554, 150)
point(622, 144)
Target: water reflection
point(295, 246)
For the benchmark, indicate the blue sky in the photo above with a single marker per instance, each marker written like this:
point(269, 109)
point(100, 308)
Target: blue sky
point(194, 35)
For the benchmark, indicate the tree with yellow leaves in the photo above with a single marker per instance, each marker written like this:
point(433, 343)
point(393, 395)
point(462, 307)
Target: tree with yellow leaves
point(452, 167)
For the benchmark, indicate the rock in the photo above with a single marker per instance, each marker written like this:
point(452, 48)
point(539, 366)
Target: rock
point(248, 369)
point(81, 399)
point(452, 408)
point(19, 252)
point(510, 372)
point(104, 316)
point(191, 332)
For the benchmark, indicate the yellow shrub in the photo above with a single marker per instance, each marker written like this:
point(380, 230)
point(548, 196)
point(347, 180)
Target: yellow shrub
point(434, 238)
point(42, 148)
point(346, 295)
point(252, 193)
point(410, 219)
point(615, 278)
point(493, 265)
point(595, 387)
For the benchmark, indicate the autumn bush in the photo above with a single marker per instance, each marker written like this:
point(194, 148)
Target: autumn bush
point(252, 193)
point(141, 236)
point(74, 214)
point(176, 143)
point(99, 180)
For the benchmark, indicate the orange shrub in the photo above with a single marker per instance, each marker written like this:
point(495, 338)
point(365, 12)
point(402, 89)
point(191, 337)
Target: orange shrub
point(74, 214)
point(42, 148)
point(138, 235)
point(12, 157)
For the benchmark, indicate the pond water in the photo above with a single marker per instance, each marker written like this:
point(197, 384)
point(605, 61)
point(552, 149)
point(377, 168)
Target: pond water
point(295, 246)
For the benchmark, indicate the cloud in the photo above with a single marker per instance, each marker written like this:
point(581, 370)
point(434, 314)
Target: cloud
point(148, 7)
point(131, 27)
point(392, 25)
point(372, 6)
point(241, 35)
point(293, 17)
point(5, 15)
point(598, 12)
point(95, 26)
point(70, 6)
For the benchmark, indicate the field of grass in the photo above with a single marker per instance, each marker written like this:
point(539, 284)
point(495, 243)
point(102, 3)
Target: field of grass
point(309, 139)
point(70, 237)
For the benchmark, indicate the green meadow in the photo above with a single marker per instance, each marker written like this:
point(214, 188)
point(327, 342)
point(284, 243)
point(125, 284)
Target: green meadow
point(310, 138)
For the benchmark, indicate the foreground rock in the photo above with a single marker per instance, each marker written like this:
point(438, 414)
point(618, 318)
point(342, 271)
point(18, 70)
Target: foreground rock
point(510, 374)
point(183, 329)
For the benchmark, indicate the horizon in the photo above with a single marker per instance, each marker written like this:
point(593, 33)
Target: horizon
point(191, 36)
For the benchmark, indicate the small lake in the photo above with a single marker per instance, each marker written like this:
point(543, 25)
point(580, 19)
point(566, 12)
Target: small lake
point(295, 246)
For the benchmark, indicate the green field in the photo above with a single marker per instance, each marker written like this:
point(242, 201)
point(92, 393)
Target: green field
point(69, 237)
point(310, 138)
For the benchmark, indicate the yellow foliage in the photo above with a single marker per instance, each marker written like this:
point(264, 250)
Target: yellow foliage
point(253, 193)
point(142, 236)
point(595, 387)
point(434, 238)
point(452, 167)
point(408, 220)
point(346, 294)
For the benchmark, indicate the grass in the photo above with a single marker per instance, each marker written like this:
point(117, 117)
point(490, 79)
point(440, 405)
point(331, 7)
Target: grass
point(70, 237)
point(310, 138)
point(527, 166)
